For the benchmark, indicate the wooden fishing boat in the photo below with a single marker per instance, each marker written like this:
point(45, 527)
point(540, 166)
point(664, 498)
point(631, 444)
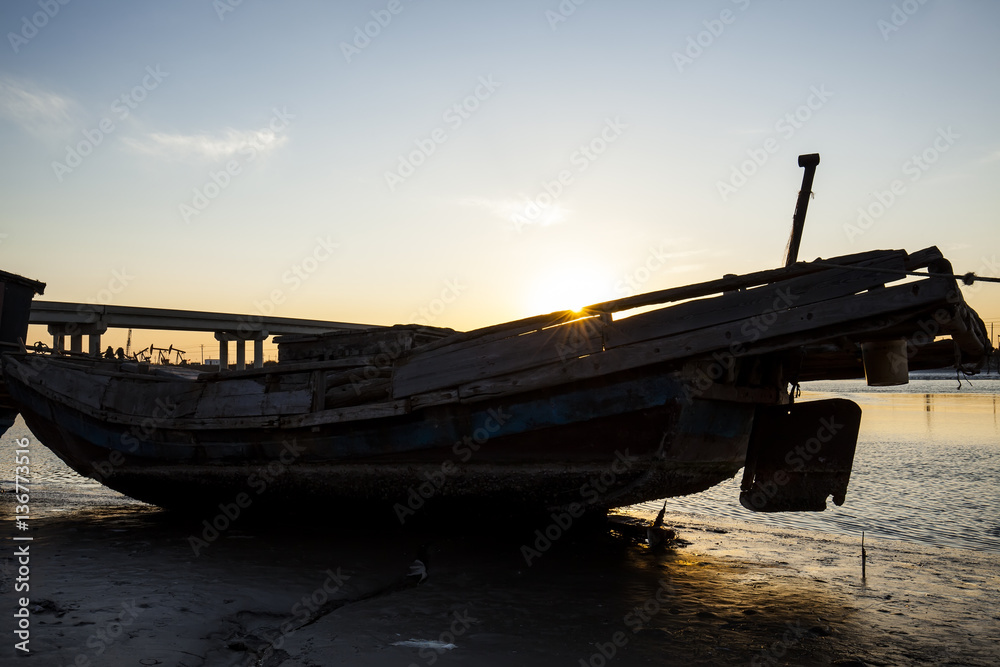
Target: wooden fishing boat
point(584, 410)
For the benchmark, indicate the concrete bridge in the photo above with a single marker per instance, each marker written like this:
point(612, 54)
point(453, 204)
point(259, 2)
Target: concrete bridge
point(77, 320)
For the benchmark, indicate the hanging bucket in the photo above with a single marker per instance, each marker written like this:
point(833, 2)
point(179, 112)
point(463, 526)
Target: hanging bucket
point(885, 363)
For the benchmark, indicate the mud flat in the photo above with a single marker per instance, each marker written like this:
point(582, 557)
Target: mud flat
point(124, 586)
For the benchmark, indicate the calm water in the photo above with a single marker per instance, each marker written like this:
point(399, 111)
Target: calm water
point(927, 469)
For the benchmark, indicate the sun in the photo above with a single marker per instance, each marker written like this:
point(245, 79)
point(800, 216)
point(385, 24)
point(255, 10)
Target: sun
point(569, 288)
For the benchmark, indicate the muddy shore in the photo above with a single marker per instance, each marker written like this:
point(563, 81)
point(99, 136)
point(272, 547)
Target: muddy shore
point(124, 586)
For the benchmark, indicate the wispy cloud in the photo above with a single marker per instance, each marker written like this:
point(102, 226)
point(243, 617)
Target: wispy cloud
point(41, 113)
point(524, 209)
point(229, 143)
point(992, 157)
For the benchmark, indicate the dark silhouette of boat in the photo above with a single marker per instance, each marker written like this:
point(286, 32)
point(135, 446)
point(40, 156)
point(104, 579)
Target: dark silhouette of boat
point(646, 397)
point(586, 409)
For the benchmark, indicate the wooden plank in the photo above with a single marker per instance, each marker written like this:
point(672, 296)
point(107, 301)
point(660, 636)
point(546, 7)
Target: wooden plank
point(309, 366)
point(87, 388)
point(318, 386)
point(352, 413)
point(231, 398)
point(760, 301)
point(422, 374)
point(230, 406)
point(134, 397)
point(682, 293)
point(503, 330)
point(360, 392)
point(359, 374)
point(447, 367)
point(287, 402)
point(733, 283)
point(433, 398)
point(921, 258)
point(853, 314)
point(206, 423)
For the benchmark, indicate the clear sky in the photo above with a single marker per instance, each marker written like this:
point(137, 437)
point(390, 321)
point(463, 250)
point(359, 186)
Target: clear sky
point(467, 163)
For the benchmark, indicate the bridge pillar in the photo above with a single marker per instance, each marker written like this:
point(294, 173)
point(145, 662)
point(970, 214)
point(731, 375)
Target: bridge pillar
point(224, 338)
point(258, 338)
point(258, 352)
point(76, 331)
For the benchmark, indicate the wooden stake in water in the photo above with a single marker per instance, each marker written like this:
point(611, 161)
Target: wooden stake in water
point(864, 555)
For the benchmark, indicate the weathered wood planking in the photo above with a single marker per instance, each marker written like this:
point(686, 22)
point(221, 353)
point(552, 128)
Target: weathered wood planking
point(682, 293)
point(86, 388)
point(852, 314)
point(444, 370)
point(433, 398)
point(352, 413)
point(503, 330)
point(359, 392)
point(308, 366)
point(348, 344)
point(759, 301)
point(131, 396)
point(231, 398)
point(287, 402)
point(922, 258)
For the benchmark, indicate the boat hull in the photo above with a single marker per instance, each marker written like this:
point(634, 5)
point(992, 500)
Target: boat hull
point(617, 442)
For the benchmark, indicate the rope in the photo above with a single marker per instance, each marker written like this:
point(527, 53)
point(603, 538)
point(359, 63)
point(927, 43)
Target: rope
point(966, 278)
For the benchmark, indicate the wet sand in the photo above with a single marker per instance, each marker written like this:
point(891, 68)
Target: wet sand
point(123, 586)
